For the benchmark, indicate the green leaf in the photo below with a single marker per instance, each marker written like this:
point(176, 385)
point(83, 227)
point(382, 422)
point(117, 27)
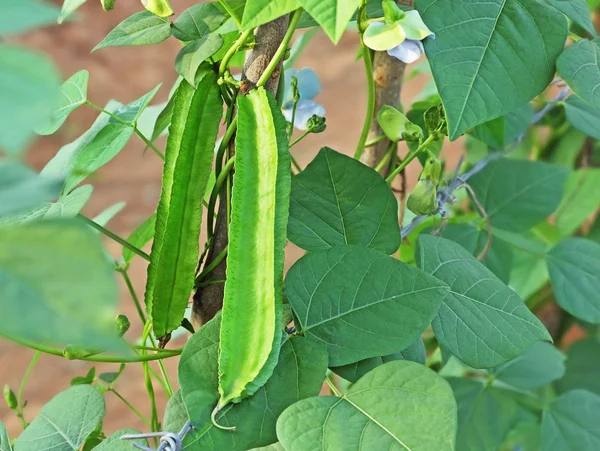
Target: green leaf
point(68, 8)
point(114, 443)
point(142, 28)
point(382, 309)
point(570, 423)
point(399, 405)
point(259, 12)
point(164, 118)
point(583, 116)
point(29, 86)
point(188, 157)
point(328, 208)
point(580, 68)
point(500, 132)
point(518, 194)
point(106, 215)
point(274, 447)
point(485, 415)
point(574, 267)
point(354, 371)
point(481, 321)
point(65, 422)
point(332, 15)
point(580, 200)
point(525, 436)
point(529, 270)
point(56, 285)
point(197, 21)
point(583, 367)
point(498, 257)
point(26, 15)
point(299, 374)
point(67, 206)
point(73, 94)
point(189, 59)
point(4, 440)
point(100, 150)
point(22, 189)
point(539, 365)
point(578, 11)
point(140, 237)
point(132, 111)
point(490, 59)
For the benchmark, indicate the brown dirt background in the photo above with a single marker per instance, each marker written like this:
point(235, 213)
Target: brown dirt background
point(124, 74)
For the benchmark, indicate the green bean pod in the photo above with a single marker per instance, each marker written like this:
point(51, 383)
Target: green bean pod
point(188, 163)
point(251, 332)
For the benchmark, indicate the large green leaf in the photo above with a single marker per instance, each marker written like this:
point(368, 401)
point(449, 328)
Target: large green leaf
point(580, 200)
point(298, 375)
point(328, 208)
point(73, 94)
point(579, 66)
point(354, 371)
point(382, 308)
point(583, 116)
point(197, 21)
point(22, 189)
point(571, 423)
point(65, 422)
point(114, 442)
point(489, 58)
point(481, 321)
point(132, 111)
point(485, 415)
point(4, 440)
point(498, 256)
point(332, 15)
point(397, 406)
point(574, 267)
point(258, 12)
point(67, 206)
point(26, 15)
point(139, 29)
point(583, 367)
point(190, 57)
point(29, 87)
point(518, 194)
point(578, 11)
point(500, 132)
point(56, 285)
point(539, 365)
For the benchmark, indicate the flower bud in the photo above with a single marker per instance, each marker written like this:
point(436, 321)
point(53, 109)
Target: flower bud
point(422, 200)
point(123, 324)
point(316, 124)
point(107, 5)
point(161, 8)
point(10, 398)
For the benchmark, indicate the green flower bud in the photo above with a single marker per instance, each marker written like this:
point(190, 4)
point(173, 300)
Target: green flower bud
point(432, 171)
point(422, 199)
point(123, 324)
point(74, 352)
point(391, 11)
point(161, 8)
point(10, 398)
point(435, 119)
point(107, 5)
point(295, 90)
point(396, 126)
point(316, 124)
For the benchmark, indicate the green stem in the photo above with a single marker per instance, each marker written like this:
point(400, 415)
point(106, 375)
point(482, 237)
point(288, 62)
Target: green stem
point(148, 380)
point(114, 237)
point(34, 359)
point(231, 129)
point(212, 265)
point(410, 158)
point(281, 49)
point(332, 386)
point(367, 57)
point(136, 301)
point(129, 124)
point(231, 12)
point(232, 50)
point(374, 141)
point(295, 163)
point(217, 188)
point(300, 138)
point(130, 406)
point(387, 156)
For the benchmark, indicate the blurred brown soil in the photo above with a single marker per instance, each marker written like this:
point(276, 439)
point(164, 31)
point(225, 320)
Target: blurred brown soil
point(124, 74)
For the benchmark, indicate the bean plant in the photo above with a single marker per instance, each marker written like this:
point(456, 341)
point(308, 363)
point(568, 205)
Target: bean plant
point(437, 319)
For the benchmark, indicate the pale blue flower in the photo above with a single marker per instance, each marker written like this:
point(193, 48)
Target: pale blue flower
point(309, 87)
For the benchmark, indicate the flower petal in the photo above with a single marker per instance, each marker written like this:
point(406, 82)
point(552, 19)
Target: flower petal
point(408, 52)
point(414, 27)
point(380, 36)
point(304, 111)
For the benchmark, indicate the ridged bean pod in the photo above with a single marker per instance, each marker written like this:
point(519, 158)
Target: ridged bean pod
point(251, 322)
point(188, 163)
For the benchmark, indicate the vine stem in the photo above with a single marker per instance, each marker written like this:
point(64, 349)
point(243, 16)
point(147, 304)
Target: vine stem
point(281, 49)
point(137, 131)
point(300, 138)
point(130, 406)
point(231, 12)
point(114, 237)
point(410, 158)
point(232, 50)
point(21, 414)
point(367, 57)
